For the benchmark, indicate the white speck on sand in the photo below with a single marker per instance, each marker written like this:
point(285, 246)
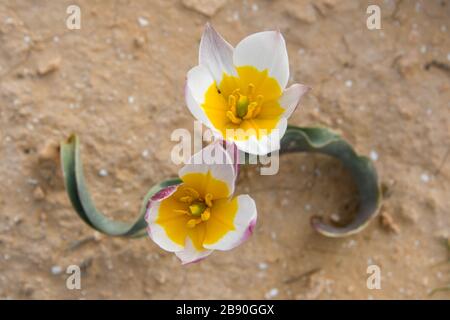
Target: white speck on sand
point(272, 293)
point(103, 172)
point(425, 177)
point(373, 155)
point(263, 266)
point(56, 270)
point(143, 22)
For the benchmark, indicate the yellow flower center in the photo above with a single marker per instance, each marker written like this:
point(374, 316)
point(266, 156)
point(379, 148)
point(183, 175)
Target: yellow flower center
point(198, 189)
point(244, 107)
point(199, 209)
point(248, 101)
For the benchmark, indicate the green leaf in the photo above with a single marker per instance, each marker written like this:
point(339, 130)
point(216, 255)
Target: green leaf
point(83, 204)
point(322, 140)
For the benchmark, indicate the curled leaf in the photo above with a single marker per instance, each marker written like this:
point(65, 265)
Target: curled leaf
point(83, 204)
point(363, 172)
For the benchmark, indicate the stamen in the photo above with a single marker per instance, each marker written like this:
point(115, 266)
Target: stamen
point(251, 89)
point(193, 222)
point(257, 111)
point(208, 199)
point(251, 110)
point(187, 199)
point(182, 211)
point(192, 192)
point(231, 101)
point(233, 118)
point(206, 215)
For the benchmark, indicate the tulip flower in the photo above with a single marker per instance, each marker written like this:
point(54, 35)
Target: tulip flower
point(240, 93)
point(200, 214)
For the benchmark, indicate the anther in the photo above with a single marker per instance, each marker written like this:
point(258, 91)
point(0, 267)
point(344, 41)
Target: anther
point(206, 215)
point(251, 110)
point(208, 199)
point(192, 223)
point(186, 199)
point(182, 211)
point(231, 101)
point(233, 118)
point(251, 89)
point(192, 192)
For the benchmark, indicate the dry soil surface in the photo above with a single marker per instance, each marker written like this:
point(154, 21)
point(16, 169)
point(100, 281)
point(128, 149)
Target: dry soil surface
point(118, 82)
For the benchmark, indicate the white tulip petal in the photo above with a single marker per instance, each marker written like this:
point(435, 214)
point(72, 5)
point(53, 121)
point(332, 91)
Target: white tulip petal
point(244, 223)
point(216, 54)
point(291, 98)
point(265, 51)
point(215, 159)
point(267, 143)
point(198, 82)
point(190, 254)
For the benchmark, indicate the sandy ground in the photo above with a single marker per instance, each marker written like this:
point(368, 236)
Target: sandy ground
point(118, 82)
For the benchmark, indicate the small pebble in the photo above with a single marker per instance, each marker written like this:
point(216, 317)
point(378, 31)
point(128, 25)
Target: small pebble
point(335, 217)
point(351, 243)
point(448, 57)
point(373, 155)
point(307, 207)
point(349, 83)
point(425, 177)
point(263, 266)
point(423, 49)
point(103, 173)
point(145, 153)
point(272, 293)
point(38, 193)
point(130, 99)
point(56, 270)
point(143, 22)
point(255, 7)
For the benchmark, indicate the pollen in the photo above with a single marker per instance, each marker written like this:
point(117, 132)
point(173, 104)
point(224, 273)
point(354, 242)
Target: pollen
point(208, 199)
